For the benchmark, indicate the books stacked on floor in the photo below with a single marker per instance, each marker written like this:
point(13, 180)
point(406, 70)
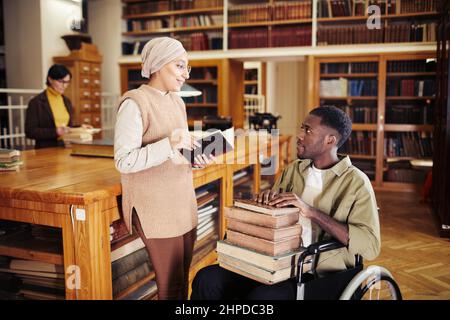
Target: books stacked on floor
point(262, 243)
point(130, 264)
point(208, 211)
point(35, 280)
point(10, 160)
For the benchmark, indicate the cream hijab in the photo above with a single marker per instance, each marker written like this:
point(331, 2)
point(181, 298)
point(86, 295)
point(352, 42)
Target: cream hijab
point(159, 52)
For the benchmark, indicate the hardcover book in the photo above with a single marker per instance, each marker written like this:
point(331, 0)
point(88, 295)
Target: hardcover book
point(259, 219)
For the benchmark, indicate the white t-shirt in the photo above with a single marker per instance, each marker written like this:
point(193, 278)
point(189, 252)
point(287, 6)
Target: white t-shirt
point(313, 188)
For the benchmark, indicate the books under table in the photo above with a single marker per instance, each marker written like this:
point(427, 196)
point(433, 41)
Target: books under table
point(263, 208)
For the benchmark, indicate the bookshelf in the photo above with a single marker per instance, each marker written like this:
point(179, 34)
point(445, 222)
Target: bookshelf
point(222, 25)
point(219, 80)
point(440, 188)
point(198, 24)
point(390, 99)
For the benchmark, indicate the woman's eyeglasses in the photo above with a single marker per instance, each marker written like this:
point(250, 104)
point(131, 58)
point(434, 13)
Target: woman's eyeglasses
point(63, 81)
point(184, 68)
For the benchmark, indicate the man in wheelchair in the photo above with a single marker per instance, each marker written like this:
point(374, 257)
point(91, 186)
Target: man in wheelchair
point(334, 197)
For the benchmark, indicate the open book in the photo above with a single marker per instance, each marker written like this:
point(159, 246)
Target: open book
point(213, 143)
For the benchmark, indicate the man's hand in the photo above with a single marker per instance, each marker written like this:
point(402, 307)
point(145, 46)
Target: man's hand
point(265, 196)
point(291, 199)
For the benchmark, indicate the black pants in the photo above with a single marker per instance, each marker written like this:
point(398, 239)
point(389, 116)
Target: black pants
point(216, 283)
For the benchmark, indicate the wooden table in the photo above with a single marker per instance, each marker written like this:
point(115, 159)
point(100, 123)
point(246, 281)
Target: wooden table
point(80, 196)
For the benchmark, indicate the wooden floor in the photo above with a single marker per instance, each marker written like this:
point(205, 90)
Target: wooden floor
point(411, 248)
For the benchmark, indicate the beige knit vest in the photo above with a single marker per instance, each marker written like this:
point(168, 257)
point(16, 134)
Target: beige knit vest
point(163, 196)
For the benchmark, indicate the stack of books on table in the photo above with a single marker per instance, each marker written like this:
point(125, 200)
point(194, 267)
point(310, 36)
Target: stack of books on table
point(10, 160)
point(263, 242)
point(80, 134)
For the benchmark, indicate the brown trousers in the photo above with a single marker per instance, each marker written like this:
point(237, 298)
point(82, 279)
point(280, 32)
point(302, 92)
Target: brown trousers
point(171, 259)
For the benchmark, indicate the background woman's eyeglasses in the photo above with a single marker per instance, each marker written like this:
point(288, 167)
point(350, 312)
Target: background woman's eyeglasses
point(63, 81)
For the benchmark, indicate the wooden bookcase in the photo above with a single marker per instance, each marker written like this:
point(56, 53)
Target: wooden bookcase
point(390, 98)
point(236, 24)
point(198, 24)
point(440, 201)
point(84, 90)
point(220, 80)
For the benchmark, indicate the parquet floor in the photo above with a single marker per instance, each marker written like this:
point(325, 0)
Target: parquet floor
point(411, 249)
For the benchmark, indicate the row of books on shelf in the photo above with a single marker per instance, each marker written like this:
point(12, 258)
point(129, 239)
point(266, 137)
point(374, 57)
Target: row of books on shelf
point(146, 7)
point(361, 114)
point(283, 10)
point(277, 37)
point(200, 20)
point(345, 8)
point(147, 25)
point(412, 66)
point(349, 67)
point(10, 160)
point(409, 114)
point(199, 41)
point(159, 6)
point(409, 144)
point(343, 87)
point(359, 33)
point(262, 242)
point(360, 143)
point(209, 95)
point(411, 87)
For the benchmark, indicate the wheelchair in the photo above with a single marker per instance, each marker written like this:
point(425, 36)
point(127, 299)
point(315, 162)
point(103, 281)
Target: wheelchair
point(373, 283)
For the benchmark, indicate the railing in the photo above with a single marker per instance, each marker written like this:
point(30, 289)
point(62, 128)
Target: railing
point(12, 116)
point(253, 103)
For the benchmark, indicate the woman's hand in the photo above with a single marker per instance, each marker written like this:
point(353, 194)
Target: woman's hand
point(182, 139)
point(201, 161)
point(62, 130)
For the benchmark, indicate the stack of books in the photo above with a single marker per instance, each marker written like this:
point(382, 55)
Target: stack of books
point(130, 264)
point(208, 211)
point(36, 280)
point(263, 242)
point(80, 134)
point(10, 160)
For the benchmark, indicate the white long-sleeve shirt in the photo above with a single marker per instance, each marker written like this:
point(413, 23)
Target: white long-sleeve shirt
point(129, 155)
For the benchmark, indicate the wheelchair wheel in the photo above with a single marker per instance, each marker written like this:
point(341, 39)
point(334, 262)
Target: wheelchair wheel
point(373, 283)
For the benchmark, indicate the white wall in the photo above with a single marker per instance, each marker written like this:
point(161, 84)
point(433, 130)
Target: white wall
point(105, 23)
point(56, 17)
point(23, 48)
point(33, 30)
point(287, 95)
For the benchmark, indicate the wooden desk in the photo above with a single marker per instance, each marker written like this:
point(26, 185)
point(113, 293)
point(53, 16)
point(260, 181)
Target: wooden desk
point(79, 195)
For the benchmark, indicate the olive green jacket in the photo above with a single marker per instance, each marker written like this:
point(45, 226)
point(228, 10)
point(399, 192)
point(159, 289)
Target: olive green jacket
point(348, 197)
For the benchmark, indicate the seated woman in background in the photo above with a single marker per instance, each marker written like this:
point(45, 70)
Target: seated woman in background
point(49, 114)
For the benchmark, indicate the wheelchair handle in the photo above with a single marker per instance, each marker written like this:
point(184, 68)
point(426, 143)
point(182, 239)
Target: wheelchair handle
point(315, 248)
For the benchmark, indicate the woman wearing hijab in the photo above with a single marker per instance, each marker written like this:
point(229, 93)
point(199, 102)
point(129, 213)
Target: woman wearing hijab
point(48, 114)
point(158, 195)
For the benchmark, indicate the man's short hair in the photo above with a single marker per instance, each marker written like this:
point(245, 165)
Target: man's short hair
point(336, 119)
